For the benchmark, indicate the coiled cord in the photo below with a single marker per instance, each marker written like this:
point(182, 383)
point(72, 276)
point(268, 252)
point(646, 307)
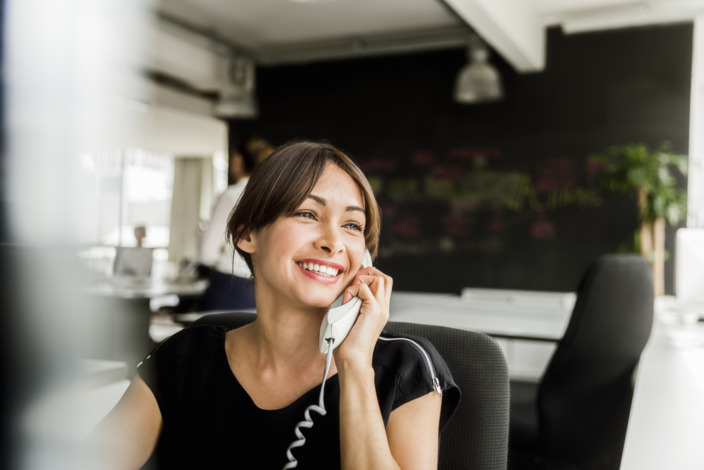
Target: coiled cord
point(308, 420)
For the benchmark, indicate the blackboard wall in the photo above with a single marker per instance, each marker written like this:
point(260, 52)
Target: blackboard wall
point(496, 195)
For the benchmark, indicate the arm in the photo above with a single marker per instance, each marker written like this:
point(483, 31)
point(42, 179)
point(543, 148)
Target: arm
point(413, 430)
point(128, 435)
point(410, 440)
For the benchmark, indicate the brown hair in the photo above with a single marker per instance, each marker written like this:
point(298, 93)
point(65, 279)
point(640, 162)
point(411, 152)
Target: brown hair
point(253, 150)
point(285, 179)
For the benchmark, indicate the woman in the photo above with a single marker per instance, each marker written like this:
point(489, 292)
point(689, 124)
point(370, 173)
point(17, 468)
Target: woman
point(207, 398)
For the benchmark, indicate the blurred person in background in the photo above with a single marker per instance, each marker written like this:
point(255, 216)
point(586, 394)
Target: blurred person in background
point(230, 287)
point(134, 261)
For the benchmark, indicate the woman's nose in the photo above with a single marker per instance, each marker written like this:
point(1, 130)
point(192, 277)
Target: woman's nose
point(330, 241)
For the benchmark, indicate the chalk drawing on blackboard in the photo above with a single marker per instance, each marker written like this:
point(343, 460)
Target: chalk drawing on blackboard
point(580, 197)
point(436, 188)
point(406, 225)
point(556, 173)
point(479, 156)
point(377, 165)
point(404, 188)
point(496, 225)
point(377, 184)
point(542, 228)
point(493, 189)
point(527, 196)
point(457, 225)
point(466, 200)
point(423, 159)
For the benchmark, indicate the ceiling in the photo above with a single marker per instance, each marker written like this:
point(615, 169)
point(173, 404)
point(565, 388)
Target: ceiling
point(281, 31)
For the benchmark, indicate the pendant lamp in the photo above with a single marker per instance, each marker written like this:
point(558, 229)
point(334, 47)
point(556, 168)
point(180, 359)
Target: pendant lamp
point(478, 81)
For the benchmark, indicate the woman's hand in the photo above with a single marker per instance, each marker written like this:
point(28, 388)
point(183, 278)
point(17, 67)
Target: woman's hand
point(373, 287)
point(365, 442)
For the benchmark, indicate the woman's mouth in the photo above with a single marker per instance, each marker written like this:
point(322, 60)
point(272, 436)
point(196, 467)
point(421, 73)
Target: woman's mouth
point(320, 270)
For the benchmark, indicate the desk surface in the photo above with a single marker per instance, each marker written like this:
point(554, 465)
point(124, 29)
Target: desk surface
point(541, 321)
point(126, 289)
point(666, 425)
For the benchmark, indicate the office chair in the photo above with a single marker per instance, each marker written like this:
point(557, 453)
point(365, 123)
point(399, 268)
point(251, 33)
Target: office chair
point(477, 435)
point(576, 416)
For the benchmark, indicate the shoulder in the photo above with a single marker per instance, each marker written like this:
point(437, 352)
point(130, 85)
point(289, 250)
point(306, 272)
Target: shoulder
point(404, 353)
point(191, 339)
point(189, 351)
point(406, 361)
point(186, 345)
point(416, 368)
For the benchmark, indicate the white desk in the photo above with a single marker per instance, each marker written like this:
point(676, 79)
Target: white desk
point(666, 426)
point(525, 324)
point(70, 409)
point(118, 313)
point(55, 426)
point(511, 314)
point(134, 289)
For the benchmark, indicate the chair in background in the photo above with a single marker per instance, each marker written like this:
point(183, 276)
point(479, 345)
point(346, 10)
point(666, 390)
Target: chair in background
point(477, 435)
point(576, 416)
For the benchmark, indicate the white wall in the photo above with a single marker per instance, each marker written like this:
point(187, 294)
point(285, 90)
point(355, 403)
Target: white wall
point(695, 190)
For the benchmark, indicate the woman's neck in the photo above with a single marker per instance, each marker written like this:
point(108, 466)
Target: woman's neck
point(287, 338)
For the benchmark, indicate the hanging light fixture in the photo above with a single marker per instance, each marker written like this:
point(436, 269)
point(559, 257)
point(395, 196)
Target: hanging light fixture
point(478, 81)
point(237, 98)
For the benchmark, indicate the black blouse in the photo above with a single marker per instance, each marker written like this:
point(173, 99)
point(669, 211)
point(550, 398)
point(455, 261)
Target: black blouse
point(211, 422)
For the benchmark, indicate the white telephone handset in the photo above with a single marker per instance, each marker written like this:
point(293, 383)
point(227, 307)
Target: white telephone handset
point(339, 320)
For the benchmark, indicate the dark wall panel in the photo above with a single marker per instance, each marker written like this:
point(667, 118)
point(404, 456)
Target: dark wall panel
point(495, 195)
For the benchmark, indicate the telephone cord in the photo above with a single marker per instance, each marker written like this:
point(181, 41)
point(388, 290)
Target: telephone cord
point(308, 421)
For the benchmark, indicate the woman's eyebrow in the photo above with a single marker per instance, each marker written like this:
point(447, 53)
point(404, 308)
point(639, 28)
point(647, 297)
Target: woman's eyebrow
point(323, 202)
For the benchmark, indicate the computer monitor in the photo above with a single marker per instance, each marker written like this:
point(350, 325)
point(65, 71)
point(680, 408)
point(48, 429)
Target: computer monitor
point(133, 262)
point(689, 269)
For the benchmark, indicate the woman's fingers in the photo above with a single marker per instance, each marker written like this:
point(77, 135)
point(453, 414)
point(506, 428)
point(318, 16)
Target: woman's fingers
point(372, 274)
point(374, 289)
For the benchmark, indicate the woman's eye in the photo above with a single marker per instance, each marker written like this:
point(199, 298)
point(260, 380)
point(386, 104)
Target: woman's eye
point(305, 214)
point(355, 226)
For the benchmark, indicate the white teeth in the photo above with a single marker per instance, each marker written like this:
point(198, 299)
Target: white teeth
point(319, 269)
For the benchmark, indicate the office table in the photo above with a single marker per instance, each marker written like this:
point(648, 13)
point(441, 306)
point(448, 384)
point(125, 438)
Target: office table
point(526, 325)
point(134, 289)
point(58, 421)
point(118, 316)
point(666, 426)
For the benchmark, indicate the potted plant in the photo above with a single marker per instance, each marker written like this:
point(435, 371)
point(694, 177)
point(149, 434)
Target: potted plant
point(651, 175)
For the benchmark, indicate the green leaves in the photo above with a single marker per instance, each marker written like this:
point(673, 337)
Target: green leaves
point(635, 168)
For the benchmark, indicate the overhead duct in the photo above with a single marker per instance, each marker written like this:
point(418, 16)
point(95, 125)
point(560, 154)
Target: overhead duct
point(237, 98)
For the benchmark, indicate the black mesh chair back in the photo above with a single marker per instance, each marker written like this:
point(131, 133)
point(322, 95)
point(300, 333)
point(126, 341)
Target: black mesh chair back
point(477, 435)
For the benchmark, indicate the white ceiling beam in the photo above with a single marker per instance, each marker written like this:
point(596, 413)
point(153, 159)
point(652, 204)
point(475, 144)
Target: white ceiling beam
point(176, 54)
point(640, 14)
point(511, 27)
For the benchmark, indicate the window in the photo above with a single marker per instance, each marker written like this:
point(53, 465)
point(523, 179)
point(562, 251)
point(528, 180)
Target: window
point(129, 188)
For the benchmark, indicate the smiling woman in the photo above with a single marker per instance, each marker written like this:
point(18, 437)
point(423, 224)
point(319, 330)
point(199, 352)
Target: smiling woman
point(282, 183)
point(211, 398)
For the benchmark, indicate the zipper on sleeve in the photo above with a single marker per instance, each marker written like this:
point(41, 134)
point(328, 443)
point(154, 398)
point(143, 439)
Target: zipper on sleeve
point(426, 357)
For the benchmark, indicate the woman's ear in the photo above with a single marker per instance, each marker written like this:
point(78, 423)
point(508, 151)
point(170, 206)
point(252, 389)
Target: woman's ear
point(246, 242)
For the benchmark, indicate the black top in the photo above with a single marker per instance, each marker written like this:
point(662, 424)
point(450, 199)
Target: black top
point(211, 422)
